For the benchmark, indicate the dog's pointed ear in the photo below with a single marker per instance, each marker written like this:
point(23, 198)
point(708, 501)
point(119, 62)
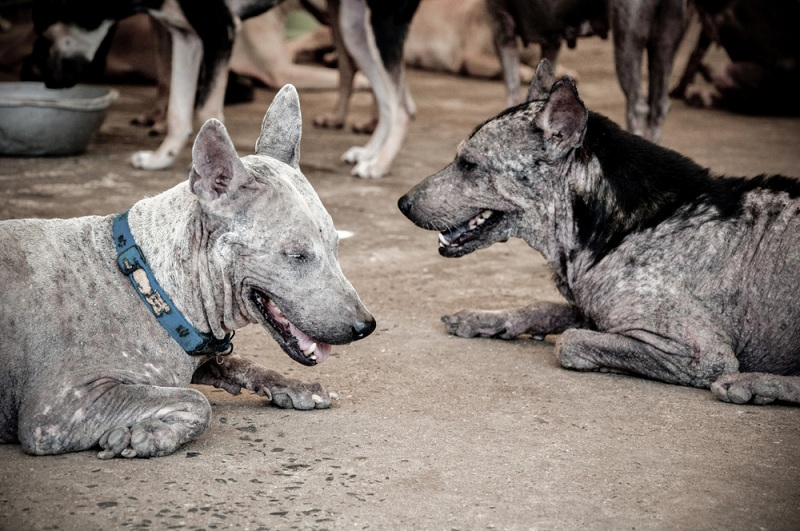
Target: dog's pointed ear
point(216, 168)
point(564, 116)
point(282, 128)
point(542, 81)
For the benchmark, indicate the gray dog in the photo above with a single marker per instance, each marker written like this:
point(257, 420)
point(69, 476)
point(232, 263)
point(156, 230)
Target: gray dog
point(91, 358)
point(669, 272)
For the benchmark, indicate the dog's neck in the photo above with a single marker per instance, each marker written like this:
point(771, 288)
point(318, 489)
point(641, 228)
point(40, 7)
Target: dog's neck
point(170, 231)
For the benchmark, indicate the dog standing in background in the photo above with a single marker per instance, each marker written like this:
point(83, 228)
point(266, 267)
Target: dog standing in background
point(654, 26)
point(369, 36)
point(70, 32)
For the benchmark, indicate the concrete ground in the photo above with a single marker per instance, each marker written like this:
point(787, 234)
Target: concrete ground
point(432, 431)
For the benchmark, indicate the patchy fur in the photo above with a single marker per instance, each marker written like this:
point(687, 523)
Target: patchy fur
point(668, 271)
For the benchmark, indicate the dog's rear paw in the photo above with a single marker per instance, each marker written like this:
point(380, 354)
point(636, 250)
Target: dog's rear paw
point(754, 387)
point(365, 128)
point(147, 438)
point(328, 121)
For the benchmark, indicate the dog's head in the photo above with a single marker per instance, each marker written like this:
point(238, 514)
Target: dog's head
point(505, 179)
point(271, 240)
point(69, 34)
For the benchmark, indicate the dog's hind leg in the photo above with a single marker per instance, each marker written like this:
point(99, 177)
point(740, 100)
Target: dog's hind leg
point(647, 354)
point(630, 25)
point(538, 319)
point(694, 65)
point(404, 110)
point(757, 388)
point(347, 72)
point(360, 42)
point(156, 118)
point(507, 48)
point(124, 419)
point(187, 52)
point(668, 29)
point(235, 372)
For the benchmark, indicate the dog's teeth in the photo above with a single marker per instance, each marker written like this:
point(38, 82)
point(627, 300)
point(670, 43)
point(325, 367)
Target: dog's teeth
point(274, 308)
point(442, 240)
point(310, 350)
point(486, 214)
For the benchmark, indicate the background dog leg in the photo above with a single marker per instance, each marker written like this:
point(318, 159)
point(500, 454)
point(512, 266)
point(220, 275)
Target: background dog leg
point(756, 387)
point(668, 29)
point(347, 73)
point(694, 365)
point(124, 419)
point(538, 319)
point(156, 119)
point(360, 43)
point(630, 40)
point(236, 372)
point(187, 51)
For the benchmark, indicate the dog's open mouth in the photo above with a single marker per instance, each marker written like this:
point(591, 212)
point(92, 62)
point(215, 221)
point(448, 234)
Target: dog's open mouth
point(299, 345)
point(467, 236)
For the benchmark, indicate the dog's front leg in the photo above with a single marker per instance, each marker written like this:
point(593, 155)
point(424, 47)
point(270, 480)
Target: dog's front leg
point(653, 355)
point(235, 372)
point(187, 52)
point(538, 319)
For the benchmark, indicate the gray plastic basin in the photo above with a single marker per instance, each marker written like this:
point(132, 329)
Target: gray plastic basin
point(35, 120)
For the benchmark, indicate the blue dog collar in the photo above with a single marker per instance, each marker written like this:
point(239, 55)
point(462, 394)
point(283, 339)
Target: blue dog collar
point(132, 263)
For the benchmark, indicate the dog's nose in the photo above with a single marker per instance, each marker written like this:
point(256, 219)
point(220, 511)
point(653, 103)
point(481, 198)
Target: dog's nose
point(405, 204)
point(363, 328)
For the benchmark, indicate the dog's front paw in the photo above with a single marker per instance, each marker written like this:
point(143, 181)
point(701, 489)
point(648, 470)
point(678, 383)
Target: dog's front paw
point(487, 323)
point(151, 160)
point(294, 394)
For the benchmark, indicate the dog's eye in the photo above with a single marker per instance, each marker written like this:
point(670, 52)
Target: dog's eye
point(466, 165)
point(296, 255)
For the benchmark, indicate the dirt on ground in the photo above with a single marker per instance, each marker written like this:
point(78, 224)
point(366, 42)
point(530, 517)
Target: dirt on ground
point(431, 431)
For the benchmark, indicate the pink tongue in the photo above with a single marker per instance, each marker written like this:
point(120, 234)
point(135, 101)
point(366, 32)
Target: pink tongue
point(322, 351)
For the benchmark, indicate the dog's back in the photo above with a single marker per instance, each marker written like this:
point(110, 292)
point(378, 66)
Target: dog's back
point(667, 235)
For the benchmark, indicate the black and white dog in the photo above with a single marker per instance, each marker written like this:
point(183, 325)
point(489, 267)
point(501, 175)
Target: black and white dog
point(369, 35)
point(70, 33)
